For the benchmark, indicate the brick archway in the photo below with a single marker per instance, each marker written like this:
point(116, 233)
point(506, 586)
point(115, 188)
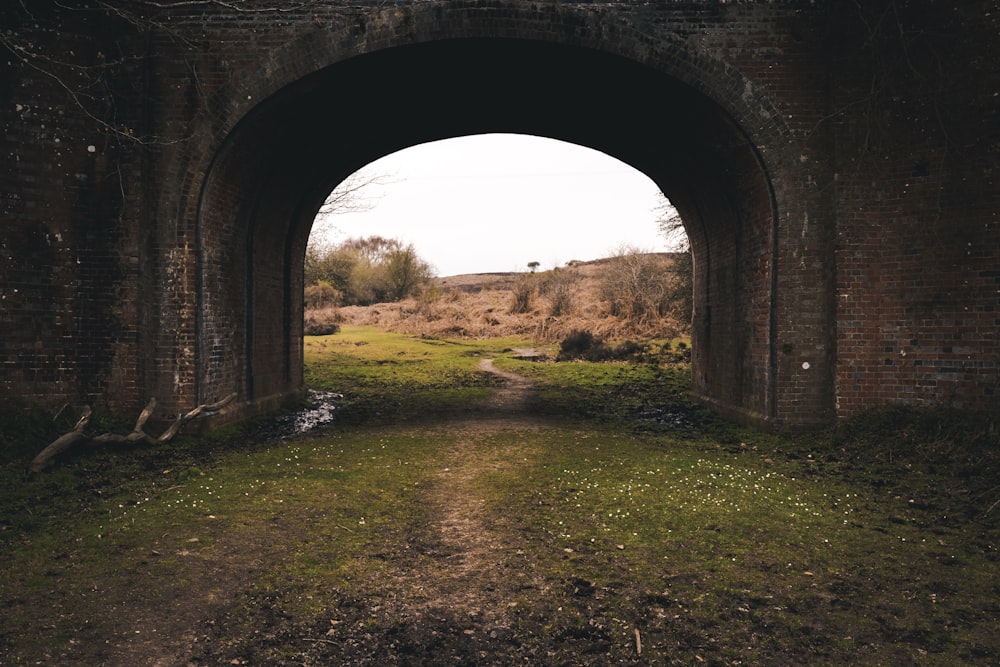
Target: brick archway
point(699, 131)
point(839, 185)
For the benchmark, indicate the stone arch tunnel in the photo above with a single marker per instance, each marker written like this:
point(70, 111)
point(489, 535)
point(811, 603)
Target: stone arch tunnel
point(172, 232)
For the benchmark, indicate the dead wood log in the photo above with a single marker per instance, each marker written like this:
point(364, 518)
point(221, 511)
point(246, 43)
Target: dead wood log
point(184, 419)
point(77, 436)
point(63, 443)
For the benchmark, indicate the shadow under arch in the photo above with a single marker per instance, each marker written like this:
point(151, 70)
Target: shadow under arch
point(277, 165)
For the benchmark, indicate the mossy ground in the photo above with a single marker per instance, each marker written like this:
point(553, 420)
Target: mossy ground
point(429, 526)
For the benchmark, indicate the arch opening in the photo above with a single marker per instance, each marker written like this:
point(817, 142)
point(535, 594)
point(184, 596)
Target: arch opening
point(277, 166)
point(473, 216)
point(495, 202)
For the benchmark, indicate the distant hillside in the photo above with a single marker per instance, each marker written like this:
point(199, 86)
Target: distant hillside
point(475, 282)
point(480, 305)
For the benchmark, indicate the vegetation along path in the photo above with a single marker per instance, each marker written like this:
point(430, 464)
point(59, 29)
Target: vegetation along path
point(470, 508)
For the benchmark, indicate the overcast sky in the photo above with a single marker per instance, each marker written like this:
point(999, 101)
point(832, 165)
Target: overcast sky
point(493, 203)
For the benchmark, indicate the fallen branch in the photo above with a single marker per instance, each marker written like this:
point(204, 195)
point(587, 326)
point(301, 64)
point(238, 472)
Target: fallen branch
point(63, 442)
point(184, 419)
point(77, 436)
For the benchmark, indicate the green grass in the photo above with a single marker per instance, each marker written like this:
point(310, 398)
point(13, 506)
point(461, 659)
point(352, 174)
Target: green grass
point(876, 543)
point(393, 377)
point(614, 394)
point(778, 565)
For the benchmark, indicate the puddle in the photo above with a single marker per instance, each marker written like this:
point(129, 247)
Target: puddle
point(319, 412)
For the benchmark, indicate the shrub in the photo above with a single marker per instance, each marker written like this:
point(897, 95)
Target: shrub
point(575, 345)
point(315, 327)
point(635, 286)
point(629, 350)
point(321, 295)
point(322, 322)
point(557, 287)
point(368, 270)
point(642, 287)
point(583, 345)
point(523, 291)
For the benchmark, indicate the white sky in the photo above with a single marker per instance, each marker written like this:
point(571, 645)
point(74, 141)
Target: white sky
point(492, 203)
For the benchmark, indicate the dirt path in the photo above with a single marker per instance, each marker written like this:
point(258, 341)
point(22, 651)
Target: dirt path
point(451, 596)
point(458, 500)
point(511, 398)
point(472, 554)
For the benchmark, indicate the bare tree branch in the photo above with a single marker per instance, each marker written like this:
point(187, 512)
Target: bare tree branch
point(671, 225)
point(355, 194)
point(351, 196)
point(76, 437)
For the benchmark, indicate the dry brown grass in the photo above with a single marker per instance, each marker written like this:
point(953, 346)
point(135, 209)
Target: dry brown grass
point(481, 306)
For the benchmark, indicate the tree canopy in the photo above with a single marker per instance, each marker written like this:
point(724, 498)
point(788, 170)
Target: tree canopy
point(363, 271)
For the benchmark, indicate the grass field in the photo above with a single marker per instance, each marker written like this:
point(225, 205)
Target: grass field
point(607, 520)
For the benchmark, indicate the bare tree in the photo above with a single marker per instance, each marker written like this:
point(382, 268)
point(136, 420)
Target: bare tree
point(557, 286)
point(523, 291)
point(357, 193)
point(635, 285)
point(671, 226)
point(681, 292)
point(406, 272)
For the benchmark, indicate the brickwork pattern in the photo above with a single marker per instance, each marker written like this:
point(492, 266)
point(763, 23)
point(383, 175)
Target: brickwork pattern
point(918, 235)
point(839, 185)
point(69, 300)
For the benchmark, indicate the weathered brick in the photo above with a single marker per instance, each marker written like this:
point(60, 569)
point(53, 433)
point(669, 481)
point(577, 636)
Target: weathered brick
point(839, 186)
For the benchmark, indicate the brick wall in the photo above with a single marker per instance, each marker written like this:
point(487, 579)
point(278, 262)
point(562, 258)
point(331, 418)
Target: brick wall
point(70, 313)
point(918, 241)
point(839, 185)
